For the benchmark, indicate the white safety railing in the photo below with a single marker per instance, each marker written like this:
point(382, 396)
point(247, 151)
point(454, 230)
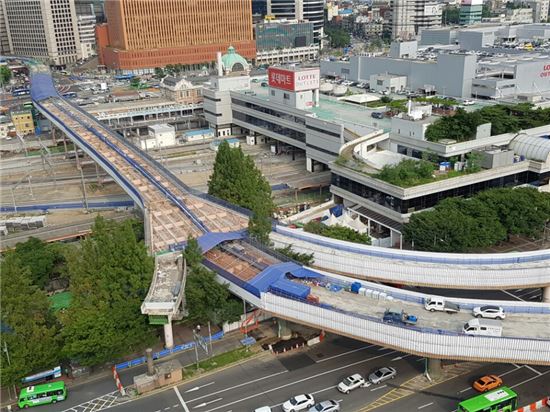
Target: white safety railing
point(429, 343)
point(468, 271)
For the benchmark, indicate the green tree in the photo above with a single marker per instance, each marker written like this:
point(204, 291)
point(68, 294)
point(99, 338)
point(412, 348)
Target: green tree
point(41, 258)
point(192, 253)
point(135, 82)
point(337, 232)
point(338, 37)
point(208, 300)
point(407, 173)
point(31, 335)
point(522, 211)
point(451, 15)
point(237, 179)
point(305, 259)
point(159, 72)
point(5, 75)
point(109, 278)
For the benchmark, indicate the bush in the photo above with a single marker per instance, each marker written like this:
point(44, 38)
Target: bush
point(305, 259)
point(407, 173)
point(337, 232)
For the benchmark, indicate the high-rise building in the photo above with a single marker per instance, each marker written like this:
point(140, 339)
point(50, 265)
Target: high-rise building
point(45, 29)
point(283, 41)
point(409, 17)
point(470, 12)
point(540, 9)
point(86, 32)
point(89, 7)
point(4, 41)
point(311, 10)
point(143, 35)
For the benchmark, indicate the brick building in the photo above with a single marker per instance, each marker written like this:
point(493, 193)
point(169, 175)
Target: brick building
point(141, 35)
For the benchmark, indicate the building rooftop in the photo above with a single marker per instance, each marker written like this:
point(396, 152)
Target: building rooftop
point(161, 128)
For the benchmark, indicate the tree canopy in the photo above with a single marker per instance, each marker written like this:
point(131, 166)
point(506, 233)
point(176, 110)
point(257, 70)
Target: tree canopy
point(237, 179)
point(338, 37)
point(40, 258)
point(29, 329)
point(206, 298)
point(503, 118)
point(407, 173)
point(337, 232)
point(464, 225)
point(110, 277)
point(5, 75)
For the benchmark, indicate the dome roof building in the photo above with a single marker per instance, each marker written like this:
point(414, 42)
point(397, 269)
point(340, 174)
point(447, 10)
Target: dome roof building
point(233, 62)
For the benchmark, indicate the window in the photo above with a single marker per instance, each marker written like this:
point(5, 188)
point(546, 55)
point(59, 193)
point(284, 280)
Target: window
point(286, 96)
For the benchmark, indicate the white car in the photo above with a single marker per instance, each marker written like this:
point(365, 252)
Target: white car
point(326, 406)
point(468, 103)
point(382, 375)
point(350, 383)
point(489, 312)
point(299, 403)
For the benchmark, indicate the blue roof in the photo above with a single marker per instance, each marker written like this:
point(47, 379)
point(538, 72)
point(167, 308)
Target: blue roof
point(198, 132)
point(212, 239)
point(42, 87)
point(274, 277)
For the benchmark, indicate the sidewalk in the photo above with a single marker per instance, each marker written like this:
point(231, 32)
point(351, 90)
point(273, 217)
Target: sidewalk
point(101, 381)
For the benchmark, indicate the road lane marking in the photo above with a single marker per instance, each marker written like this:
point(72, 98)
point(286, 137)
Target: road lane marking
point(465, 390)
point(196, 388)
point(530, 379)
point(176, 405)
point(301, 380)
point(533, 369)
point(311, 393)
point(514, 296)
point(237, 386)
point(500, 376)
point(343, 354)
point(421, 359)
point(401, 357)
point(178, 394)
point(202, 405)
point(380, 387)
point(425, 406)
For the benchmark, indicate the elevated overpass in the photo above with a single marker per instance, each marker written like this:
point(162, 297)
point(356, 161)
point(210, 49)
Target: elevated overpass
point(172, 212)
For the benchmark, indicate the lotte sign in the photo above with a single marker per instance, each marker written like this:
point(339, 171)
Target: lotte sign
point(293, 80)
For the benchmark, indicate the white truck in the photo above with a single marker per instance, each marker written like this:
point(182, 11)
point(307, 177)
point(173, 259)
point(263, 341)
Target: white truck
point(436, 303)
point(483, 327)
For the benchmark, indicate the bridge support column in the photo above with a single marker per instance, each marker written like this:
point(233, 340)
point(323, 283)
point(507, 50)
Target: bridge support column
point(546, 294)
point(168, 336)
point(284, 331)
point(433, 368)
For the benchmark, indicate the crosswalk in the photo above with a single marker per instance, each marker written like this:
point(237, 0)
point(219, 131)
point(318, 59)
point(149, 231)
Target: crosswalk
point(100, 403)
point(529, 295)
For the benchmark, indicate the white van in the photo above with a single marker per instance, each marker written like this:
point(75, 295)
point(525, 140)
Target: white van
point(484, 327)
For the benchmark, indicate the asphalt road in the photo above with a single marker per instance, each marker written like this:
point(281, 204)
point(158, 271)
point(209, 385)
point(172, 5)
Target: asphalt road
point(270, 380)
point(526, 295)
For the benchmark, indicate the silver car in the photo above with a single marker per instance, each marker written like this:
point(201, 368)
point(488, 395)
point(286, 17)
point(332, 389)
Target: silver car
point(382, 374)
point(326, 406)
point(489, 312)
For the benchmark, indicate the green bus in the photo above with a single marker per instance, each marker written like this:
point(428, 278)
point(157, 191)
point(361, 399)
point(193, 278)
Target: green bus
point(502, 399)
point(42, 394)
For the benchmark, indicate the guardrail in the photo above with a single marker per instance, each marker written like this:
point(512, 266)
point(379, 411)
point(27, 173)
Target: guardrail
point(94, 154)
point(419, 298)
point(196, 221)
point(528, 269)
point(163, 170)
point(68, 205)
point(420, 341)
point(166, 352)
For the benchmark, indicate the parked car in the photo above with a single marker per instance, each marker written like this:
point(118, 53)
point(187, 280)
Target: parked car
point(487, 383)
point(436, 303)
point(489, 312)
point(483, 327)
point(263, 409)
point(377, 115)
point(299, 403)
point(326, 406)
point(399, 317)
point(382, 374)
point(468, 102)
point(350, 383)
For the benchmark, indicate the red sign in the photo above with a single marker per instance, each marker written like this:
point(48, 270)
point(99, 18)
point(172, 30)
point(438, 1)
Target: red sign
point(546, 71)
point(281, 78)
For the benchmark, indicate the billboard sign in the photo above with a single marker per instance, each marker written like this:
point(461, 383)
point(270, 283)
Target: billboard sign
point(294, 80)
point(432, 10)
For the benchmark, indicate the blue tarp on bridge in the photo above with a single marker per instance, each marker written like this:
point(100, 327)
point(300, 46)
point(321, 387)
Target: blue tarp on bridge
point(274, 277)
point(42, 87)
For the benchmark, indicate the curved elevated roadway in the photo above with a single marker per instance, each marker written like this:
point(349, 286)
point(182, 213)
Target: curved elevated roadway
point(172, 213)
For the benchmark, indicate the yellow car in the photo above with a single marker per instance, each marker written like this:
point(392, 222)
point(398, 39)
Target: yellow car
point(487, 383)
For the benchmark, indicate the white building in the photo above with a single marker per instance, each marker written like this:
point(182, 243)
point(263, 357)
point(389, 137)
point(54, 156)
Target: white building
point(387, 83)
point(409, 17)
point(159, 135)
point(86, 32)
point(44, 29)
point(310, 10)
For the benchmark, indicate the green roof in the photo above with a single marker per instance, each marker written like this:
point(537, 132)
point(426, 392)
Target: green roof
point(60, 301)
point(231, 58)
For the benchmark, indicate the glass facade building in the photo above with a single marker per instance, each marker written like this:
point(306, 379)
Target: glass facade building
point(287, 35)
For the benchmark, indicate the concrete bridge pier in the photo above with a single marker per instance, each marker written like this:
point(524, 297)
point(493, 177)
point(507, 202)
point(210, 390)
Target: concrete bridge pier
point(433, 368)
point(546, 294)
point(284, 330)
point(168, 335)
